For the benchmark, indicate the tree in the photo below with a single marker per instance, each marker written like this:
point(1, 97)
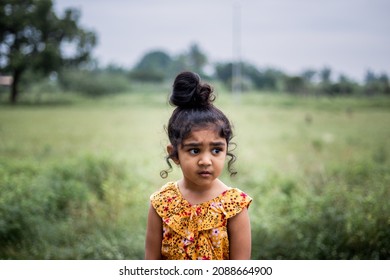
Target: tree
point(376, 84)
point(153, 67)
point(224, 72)
point(295, 84)
point(197, 59)
point(344, 86)
point(325, 75)
point(325, 85)
point(308, 75)
point(33, 37)
point(268, 79)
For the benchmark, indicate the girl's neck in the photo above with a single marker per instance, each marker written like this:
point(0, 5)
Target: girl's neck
point(195, 194)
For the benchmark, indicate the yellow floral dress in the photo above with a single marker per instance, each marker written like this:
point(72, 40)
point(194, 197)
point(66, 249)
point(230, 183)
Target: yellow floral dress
point(196, 232)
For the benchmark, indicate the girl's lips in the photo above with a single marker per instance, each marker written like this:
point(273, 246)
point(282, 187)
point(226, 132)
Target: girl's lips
point(205, 173)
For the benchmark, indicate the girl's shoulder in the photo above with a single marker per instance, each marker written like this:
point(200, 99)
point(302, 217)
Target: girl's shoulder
point(168, 203)
point(169, 189)
point(233, 201)
point(167, 198)
point(235, 193)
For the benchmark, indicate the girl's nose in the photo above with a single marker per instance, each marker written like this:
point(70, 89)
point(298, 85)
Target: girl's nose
point(205, 160)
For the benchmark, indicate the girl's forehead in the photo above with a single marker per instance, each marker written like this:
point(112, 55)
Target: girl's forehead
point(204, 135)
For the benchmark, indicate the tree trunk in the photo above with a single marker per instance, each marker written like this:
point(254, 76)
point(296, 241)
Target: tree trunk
point(14, 87)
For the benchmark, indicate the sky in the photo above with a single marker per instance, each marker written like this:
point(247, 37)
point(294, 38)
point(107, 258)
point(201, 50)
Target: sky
point(349, 36)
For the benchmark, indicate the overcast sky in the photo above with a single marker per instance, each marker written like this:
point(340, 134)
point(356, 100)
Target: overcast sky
point(350, 36)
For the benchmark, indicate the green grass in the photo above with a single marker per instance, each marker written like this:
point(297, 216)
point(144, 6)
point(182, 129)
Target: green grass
point(76, 174)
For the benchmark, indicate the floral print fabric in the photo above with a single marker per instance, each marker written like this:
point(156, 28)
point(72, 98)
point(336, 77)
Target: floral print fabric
point(193, 232)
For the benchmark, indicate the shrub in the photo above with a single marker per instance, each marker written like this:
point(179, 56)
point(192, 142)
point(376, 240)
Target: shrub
point(93, 83)
point(346, 217)
point(20, 203)
point(70, 210)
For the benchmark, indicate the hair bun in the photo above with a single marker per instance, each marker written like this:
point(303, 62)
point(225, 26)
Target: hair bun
point(189, 92)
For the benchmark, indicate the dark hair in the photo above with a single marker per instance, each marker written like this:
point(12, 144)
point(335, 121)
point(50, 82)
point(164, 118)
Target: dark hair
point(194, 110)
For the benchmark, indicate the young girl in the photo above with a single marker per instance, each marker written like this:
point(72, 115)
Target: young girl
point(198, 217)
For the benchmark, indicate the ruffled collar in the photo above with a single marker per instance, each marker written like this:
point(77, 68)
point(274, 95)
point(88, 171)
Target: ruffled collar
point(188, 220)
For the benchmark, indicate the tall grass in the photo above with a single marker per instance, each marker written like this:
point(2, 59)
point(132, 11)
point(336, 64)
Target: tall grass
point(75, 178)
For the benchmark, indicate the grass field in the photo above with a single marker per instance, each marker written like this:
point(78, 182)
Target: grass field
point(75, 175)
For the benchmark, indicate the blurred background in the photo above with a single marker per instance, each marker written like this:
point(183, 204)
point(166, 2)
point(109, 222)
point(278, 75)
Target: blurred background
point(83, 104)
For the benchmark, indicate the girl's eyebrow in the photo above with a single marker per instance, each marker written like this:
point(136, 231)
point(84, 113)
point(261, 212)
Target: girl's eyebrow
point(192, 144)
point(218, 144)
point(198, 144)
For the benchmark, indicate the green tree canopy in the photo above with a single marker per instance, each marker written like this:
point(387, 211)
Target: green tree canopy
point(157, 65)
point(266, 79)
point(197, 60)
point(32, 36)
point(153, 66)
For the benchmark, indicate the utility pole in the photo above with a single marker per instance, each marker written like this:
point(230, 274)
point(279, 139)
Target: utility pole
point(236, 69)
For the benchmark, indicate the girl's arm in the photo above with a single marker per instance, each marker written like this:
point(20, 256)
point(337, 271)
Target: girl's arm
point(153, 236)
point(239, 231)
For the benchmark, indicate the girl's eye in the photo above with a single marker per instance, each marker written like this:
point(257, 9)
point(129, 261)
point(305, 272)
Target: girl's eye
point(194, 151)
point(216, 151)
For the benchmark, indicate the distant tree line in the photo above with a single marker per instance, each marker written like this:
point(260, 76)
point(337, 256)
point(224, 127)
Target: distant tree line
point(36, 43)
point(157, 66)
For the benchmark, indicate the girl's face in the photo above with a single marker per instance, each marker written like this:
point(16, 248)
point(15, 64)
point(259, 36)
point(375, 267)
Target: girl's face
point(202, 157)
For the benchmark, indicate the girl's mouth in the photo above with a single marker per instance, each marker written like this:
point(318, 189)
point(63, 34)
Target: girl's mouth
point(205, 173)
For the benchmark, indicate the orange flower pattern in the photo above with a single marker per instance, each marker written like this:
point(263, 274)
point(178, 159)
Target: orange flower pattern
point(196, 232)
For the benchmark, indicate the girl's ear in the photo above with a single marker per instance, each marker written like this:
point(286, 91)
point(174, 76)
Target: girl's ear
point(170, 151)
